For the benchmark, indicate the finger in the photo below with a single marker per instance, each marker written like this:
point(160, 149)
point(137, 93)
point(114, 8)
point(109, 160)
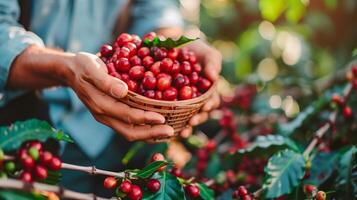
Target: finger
point(139, 132)
point(116, 109)
point(99, 77)
point(212, 103)
point(199, 118)
point(187, 132)
point(213, 64)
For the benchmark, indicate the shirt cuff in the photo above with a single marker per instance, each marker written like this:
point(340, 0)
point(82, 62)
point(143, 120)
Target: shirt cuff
point(17, 41)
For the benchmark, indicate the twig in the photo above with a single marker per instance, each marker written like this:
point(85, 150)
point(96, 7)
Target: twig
point(30, 187)
point(332, 119)
point(93, 170)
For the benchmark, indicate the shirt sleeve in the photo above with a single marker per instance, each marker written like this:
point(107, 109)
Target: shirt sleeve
point(13, 40)
point(148, 15)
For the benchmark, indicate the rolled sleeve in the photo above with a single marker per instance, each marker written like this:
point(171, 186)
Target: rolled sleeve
point(13, 40)
point(150, 15)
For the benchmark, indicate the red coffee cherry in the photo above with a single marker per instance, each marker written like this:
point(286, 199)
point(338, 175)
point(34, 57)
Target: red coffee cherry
point(136, 40)
point(309, 189)
point(175, 68)
point(143, 52)
point(136, 72)
point(149, 36)
point(110, 182)
point(125, 187)
point(132, 47)
point(153, 185)
point(150, 94)
point(155, 68)
point(179, 81)
point(166, 65)
point(35, 144)
point(135, 60)
point(26, 177)
point(122, 65)
point(186, 68)
point(203, 84)
point(149, 82)
point(123, 38)
point(40, 172)
point(132, 85)
point(106, 50)
point(320, 195)
point(347, 112)
point(172, 54)
point(338, 100)
point(28, 163)
point(135, 193)
point(192, 190)
point(170, 94)
point(211, 145)
point(163, 83)
point(242, 191)
point(45, 157)
point(147, 62)
point(158, 95)
point(193, 78)
point(176, 171)
point(185, 93)
point(124, 52)
point(197, 67)
point(55, 164)
point(235, 194)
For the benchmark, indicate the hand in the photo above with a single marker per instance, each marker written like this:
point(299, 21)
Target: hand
point(100, 92)
point(211, 60)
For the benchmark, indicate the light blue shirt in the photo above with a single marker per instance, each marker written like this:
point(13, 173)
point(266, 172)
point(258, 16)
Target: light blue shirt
point(74, 25)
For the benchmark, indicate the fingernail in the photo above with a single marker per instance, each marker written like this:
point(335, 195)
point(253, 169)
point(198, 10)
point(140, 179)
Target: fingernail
point(119, 90)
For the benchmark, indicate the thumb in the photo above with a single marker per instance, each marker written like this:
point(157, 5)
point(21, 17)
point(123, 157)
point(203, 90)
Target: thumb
point(117, 88)
point(109, 84)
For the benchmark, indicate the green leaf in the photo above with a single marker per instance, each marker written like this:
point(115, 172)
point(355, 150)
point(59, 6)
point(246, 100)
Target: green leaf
point(170, 189)
point(169, 43)
point(283, 173)
point(343, 183)
point(354, 52)
point(271, 10)
point(13, 136)
point(213, 166)
point(205, 192)
point(150, 169)
point(268, 144)
point(322, 166)
point(19, 195)
point(289, 128)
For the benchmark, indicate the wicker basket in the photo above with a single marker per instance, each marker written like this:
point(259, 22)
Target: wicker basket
point(177, 113)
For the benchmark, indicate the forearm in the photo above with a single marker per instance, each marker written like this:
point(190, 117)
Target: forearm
point(39, 67)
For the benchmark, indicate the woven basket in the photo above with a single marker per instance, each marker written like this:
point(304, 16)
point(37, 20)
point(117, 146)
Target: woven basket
point(176, 113)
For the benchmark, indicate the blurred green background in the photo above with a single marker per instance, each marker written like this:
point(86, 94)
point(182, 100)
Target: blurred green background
point(289, 48)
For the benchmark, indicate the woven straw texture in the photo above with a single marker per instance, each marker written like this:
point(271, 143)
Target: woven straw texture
point(177, 113)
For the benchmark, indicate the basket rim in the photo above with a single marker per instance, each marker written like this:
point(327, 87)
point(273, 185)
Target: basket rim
point(201, 98)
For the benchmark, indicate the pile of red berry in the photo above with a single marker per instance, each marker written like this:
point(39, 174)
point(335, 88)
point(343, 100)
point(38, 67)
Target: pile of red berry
point(241, 193)
point(32, 162)
point(132, 191)
point(155, 72)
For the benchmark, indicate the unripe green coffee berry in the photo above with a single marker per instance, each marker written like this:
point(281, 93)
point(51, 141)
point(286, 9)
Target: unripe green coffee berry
point(33, 152)
point(10, 166)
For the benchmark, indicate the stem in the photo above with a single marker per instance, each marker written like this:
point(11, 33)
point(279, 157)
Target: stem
point(93, 170)
point(332, 119)
point(63, 193)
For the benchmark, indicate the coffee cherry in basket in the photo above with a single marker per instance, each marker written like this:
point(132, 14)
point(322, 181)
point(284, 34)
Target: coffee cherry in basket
point(154, 71)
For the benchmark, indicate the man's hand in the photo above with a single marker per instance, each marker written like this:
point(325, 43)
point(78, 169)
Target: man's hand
point(211, 59)
point(87, 75)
